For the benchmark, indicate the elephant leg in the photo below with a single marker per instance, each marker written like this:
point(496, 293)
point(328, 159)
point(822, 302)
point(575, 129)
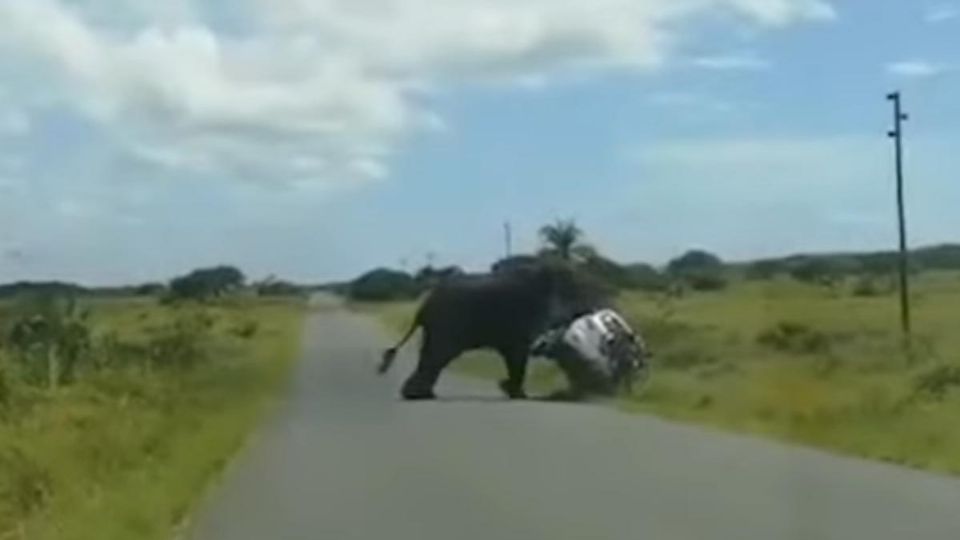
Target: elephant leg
point(515, 359)
point(433, 359)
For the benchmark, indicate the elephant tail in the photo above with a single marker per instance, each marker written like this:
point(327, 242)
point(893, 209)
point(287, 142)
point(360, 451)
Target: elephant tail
point(390, 354)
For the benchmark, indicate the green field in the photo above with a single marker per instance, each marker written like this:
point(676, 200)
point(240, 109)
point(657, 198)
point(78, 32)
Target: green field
point(803, 363)
point(126, 448)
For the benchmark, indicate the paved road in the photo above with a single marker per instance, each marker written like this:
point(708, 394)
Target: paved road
point(343, 459)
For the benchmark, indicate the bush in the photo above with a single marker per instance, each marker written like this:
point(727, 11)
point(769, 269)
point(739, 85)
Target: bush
point(700, 270)
point(762, 270)
point(706, 281)
point(646, 278)
point(429, 276)
point(687, 357)
point(937, 382)
point(796, 338)
point(271, 287)
point(695, 261)
point(49, 338)
point(383, 285)
point(24, 485)
point(180, 344)
point(111, 352)
point(246, 329)
point(866, 286)
point(206, 283)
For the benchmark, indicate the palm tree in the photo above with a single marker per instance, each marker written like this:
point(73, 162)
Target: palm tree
point(562, 237)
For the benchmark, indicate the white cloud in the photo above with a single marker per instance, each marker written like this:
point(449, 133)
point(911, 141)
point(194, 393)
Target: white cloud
point(338, 80)
point(731, 62)
point(917, 68)
point(941, 13)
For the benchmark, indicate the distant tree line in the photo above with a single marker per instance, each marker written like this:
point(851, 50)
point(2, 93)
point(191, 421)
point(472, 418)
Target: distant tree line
point(696, 269)
point(202, 284)
point(824, 268)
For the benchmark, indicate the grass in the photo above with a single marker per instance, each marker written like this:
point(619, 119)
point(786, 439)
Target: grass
point(126, 451)
point(798, 363)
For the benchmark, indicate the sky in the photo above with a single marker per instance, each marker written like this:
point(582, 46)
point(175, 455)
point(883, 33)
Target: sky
point(316, 139)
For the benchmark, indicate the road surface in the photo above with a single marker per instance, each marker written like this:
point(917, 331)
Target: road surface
point(344, 459)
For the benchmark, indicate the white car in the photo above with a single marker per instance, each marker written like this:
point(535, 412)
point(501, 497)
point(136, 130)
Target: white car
point(598, 352)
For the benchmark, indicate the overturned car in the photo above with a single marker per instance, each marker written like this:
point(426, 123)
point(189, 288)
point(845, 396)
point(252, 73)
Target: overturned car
point(598, 352)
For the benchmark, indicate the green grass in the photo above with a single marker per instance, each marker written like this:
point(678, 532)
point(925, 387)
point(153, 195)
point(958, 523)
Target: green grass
point(843, 381)
point(125, 453)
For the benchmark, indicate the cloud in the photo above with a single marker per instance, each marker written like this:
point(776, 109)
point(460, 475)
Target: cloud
point(941, 13)
point(188, 88)
point(917, 69)
point(731, 62)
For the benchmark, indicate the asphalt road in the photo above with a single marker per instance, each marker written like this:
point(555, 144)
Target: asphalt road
point(344, 459)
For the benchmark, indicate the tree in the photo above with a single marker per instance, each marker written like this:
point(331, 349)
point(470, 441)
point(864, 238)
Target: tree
point(51, 335)
point(383, 284)
point(205, 283)
point(824, 270)
point(694, 261)
point(271, 286)
point(766, 269)
point(562, 238)
point(429, 276)
point(645, 277)
point(516, 262)
point(149, 289)
point(702, 270)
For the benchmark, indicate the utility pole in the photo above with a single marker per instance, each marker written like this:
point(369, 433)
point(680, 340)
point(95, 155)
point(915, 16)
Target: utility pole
point(507, 234)
point(897, 135)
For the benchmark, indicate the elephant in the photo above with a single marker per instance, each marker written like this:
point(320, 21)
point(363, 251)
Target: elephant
point(504, 311)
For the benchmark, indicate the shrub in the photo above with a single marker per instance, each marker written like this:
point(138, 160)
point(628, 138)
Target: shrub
point(383, 285)
point(49, 338)
point(180, 344)
point(761, 270)
point(796, 338)
point(110, 352)
point(695, 261)
point(205, 283)
point(246, 329)
point(706, 281)
point(646, 278)
point(7, 385)
point(24, 484)
point(866, 286)
point(937, 382)
point(686, 357)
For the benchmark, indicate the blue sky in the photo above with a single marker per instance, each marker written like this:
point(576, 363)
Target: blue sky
point(315, 140)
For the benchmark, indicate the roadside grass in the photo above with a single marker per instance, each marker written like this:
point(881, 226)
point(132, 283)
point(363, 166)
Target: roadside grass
point(126, 450)
point(799, 363)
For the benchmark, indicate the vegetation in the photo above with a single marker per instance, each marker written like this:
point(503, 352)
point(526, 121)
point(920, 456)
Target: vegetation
point(206, 283)
point(772, 351)
point(383, 284)
point(115, 413)
point(562, 239)
point(788, 360)
point(700, 270)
